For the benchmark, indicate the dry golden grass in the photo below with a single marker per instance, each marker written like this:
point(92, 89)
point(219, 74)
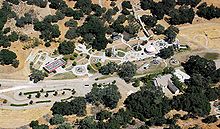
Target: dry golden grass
point(214, 2)
point(17, 118)
point(185, 124)
point(204, 35)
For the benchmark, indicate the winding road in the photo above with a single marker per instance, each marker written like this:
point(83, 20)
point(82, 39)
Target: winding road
point(77, 84)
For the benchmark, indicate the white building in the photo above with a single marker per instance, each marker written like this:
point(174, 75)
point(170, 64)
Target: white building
point(165, 83)
point(181, 75)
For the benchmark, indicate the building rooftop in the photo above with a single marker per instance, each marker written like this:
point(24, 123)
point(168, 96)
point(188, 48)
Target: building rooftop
point(172, 87)
point(162, 80)
point(181, 75)
point(50, 67)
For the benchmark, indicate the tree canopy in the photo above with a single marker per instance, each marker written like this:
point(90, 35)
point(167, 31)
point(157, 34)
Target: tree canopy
point(199, 65)
point(127, 70)
point(107, 95)
point(147, 103)
point(8, 57)
point(66, 47)
point(76, 106)
point(109, 68)
point(166, 52)
point(208, 12)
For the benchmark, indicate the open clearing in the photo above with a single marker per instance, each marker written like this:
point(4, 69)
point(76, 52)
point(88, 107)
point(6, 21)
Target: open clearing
point(202, 35)
point(17, 118)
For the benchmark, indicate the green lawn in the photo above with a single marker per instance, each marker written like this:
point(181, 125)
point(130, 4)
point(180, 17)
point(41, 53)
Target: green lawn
point(61, 76)
point(121, 54)
point(211, 56)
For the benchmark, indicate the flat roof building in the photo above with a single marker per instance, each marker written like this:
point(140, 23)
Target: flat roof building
point(52, 66)
point(165, 83)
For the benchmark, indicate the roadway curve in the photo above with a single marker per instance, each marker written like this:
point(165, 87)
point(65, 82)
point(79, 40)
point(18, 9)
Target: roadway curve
point(78, 84)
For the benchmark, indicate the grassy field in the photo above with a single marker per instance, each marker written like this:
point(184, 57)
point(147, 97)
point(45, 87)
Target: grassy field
point(211, 56)
point(61, 76)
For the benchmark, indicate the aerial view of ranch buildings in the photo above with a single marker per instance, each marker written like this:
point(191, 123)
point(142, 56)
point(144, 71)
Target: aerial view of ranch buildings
point(110, 64)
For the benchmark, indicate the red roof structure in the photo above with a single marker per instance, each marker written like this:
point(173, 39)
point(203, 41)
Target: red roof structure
point(54, 65)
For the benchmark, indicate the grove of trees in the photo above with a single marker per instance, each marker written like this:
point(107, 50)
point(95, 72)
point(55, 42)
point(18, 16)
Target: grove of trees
point(127, 70)
point(208, 12)
point(76, 106)
point(8, 57)
point(107, 95)
point(66, 47)
point(166, 52)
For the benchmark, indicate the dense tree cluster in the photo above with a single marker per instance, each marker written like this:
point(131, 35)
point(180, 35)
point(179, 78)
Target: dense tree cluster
point(54, 18)
point(14, 1)
point(147, 103)
point(149, 21)
point(126, 4)
point(192, 3)
point(210, 119)
point(117, 25)
point(182, 15)
point(65, 126)
point(8, 57)
point(109, 68)
point(108, 15)
point(66, 47)
point(97, 9)
point(208, 12)
point(199, 92)
point(48, 31)
point(171, 33)
point(39, 3)
point(195, 102)
point(166, 52)
point(13, 36)
point(158, 29)
point(93, 32)
point(199, 65)
point(24, 20)
point(103, 115)
point(71, 23)
point(127, 70)
point(76, 106)
point(36, 125)
point(5, 14)
point(56, 119)
point(37, 75)
point(147, 4)
point(133, 26)
point(84, 5)
point(107, 95)
point(72, 33)
point(115, 121)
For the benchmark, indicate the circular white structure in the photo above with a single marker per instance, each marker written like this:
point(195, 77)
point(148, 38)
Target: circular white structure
point(80, 70)
point(150, 49)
